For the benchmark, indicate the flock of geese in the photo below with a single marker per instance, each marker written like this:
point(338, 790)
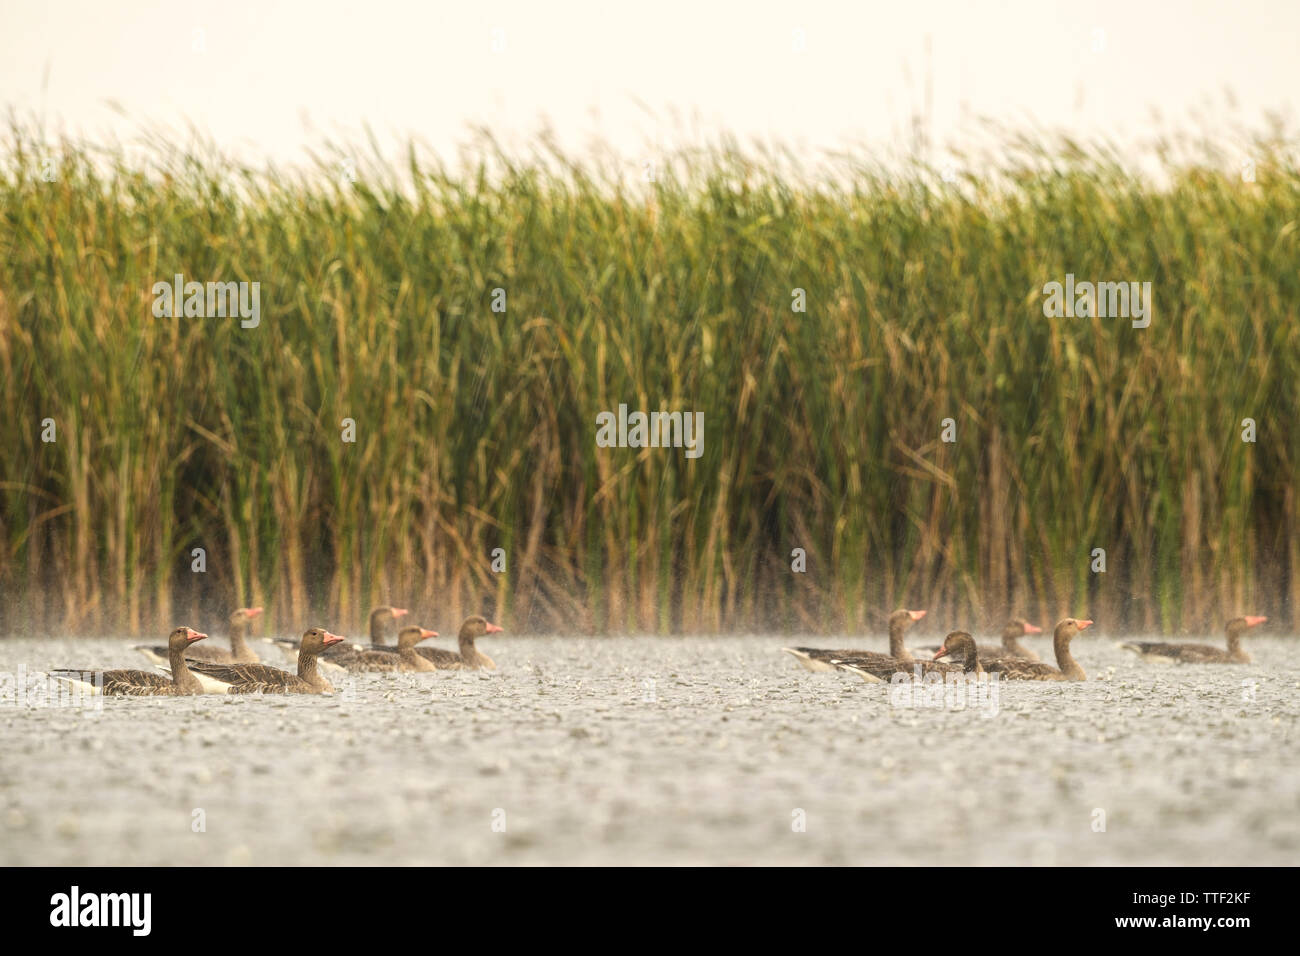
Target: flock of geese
point(959, 653)
point(183, 667)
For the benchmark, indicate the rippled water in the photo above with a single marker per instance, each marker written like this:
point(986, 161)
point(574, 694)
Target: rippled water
point(650, 750)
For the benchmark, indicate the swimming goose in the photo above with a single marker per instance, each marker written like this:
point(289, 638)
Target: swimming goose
point(1015, 629)
point(335, 659)
point(381, 618)
point(240, 621)
point(1200, 653)
point(135, 683)
point(1067, 668)
point(818, 659)
point(469, 658)
point(960, 646)
point(875, 670)
point(265, 679)
point(404, 658)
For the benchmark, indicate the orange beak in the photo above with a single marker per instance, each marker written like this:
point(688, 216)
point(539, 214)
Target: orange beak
point(1084, 624)
point(251, 611)
point(916, 615)
point(1035, 629)
point(400, 612)
point(193, 635)
point(493, 629)
point(941, 652)
point(329, 639)
point(1252, 621)
point(425, 634)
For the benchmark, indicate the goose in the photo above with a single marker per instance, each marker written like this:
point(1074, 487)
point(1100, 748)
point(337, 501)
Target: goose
point(875, 670)
point(334, 659)
point(1200, 653)
point(469, 657)
point(404, 658)
point(1067, 668)
point(1014, 629)
point(960, 646)
point(818, 659)
point(265, 679)
point(137, 683)
point(240, 622)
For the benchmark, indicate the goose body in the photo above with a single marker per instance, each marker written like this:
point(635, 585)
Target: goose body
point(876, 670)
point(821, 659)
point(1165, 652)
point(468, 657)
point(138, 683)
point(403, 658)
point(337, 658)
point(1066, 669)
point(265, 679)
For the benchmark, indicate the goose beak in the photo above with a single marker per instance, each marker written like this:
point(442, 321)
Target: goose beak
point(1084, 624)
point(329, 639)
point(916, 615)
point(193, 635)
point(941, 652)
point(493, 629)
point(252, 611)
point(425, 633)
point(400, 612)
point(1252, 621)
point(1035, 629)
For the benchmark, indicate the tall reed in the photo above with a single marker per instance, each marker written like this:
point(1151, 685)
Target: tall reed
point(475, 430)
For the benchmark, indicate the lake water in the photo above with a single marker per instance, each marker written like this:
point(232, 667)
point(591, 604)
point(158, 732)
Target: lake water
point(663, 751)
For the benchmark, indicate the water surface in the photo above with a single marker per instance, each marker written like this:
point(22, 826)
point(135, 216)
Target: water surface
point(666, 751)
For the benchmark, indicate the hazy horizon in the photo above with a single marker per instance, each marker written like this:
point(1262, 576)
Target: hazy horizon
point(917, 81)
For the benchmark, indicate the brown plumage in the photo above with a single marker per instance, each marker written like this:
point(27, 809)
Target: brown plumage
point(960, 646)
point(382, 620)
point(1201, 653)
point(1067, 668)
point(265, 679)
point(136, 683)
point(1014, 629)
point(469, 657)
point(240, 622)
point(878, 668)
point(403, 658)
point(819, 659)
point(341, 656)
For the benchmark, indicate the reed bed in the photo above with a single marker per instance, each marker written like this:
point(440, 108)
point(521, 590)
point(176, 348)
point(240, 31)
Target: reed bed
point(475, 429)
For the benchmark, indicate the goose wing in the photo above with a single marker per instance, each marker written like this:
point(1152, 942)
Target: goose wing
point(1016, 668)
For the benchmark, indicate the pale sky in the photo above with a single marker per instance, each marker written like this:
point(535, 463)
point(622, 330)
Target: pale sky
point(265, 79)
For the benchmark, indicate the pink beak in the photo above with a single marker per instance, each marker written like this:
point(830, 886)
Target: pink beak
point(425, 634)
point(1252, 621)
point(194, 635)
point(1084, 624)
point(400, 611)
point(493, 629)
point(1034, 628)
point(251, 611)
point(916, 615)
point(941, 652)
point(329, 639)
